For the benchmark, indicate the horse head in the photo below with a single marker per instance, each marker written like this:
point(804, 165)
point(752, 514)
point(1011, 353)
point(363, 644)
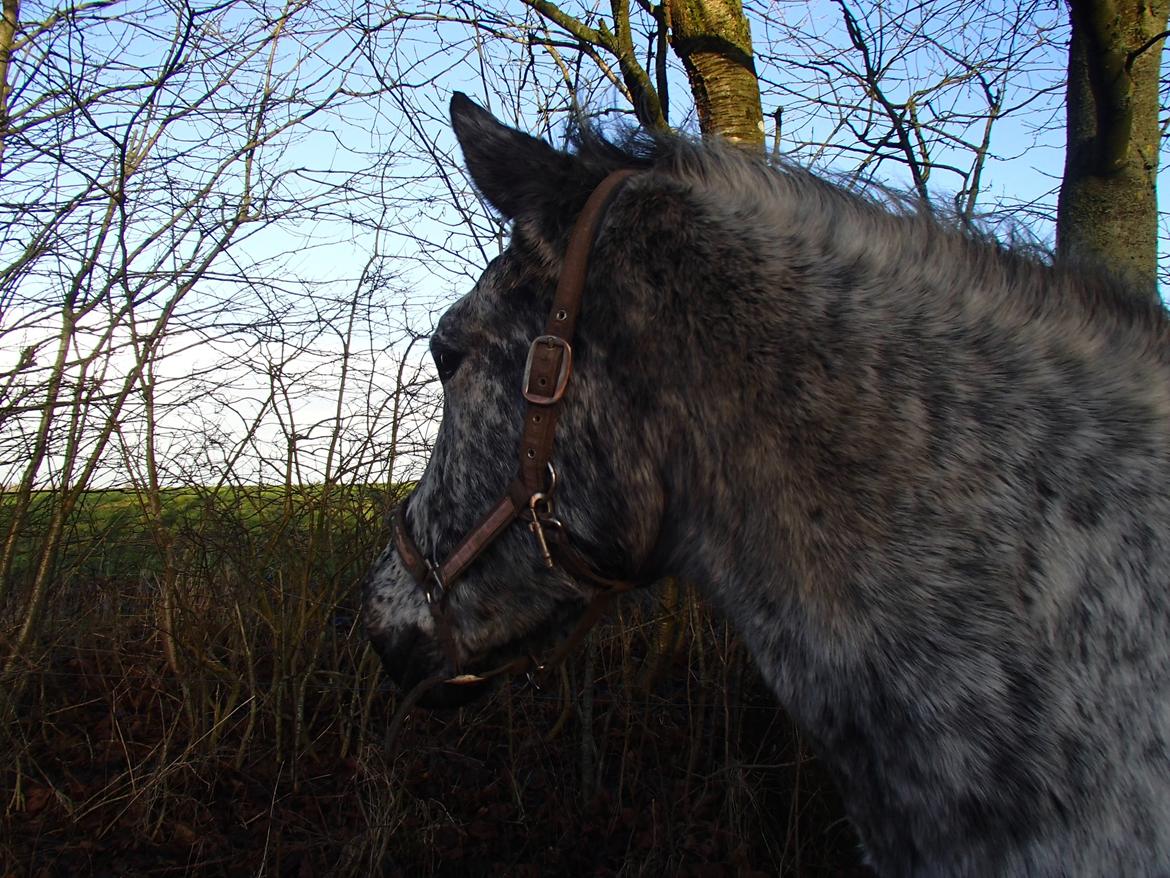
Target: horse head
point(459, 621)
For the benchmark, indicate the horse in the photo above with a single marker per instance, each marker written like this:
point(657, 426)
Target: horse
point(925, 475)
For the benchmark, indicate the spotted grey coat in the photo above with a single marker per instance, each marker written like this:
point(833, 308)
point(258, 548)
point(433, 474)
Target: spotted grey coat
point(926, 477)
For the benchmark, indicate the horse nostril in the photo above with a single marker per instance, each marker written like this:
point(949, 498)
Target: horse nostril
point(399, 651)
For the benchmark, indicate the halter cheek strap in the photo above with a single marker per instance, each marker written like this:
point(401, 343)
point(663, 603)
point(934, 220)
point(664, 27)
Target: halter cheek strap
point(531, 493)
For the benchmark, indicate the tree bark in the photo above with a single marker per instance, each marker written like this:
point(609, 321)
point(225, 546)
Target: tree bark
point(1108, 213)
point(9, 22)
point(713, 40)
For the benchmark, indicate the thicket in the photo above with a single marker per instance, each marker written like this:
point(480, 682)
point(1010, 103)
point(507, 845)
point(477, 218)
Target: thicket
point(221, 713)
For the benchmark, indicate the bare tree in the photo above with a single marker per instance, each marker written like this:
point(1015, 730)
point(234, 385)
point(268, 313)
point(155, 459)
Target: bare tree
point(631, 47)
point(154, 164)
point(942, 97)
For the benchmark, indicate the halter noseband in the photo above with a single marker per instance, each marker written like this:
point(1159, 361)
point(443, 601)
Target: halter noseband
point(546, 377)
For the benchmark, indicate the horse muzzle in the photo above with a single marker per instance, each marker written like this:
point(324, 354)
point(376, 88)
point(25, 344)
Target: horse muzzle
point(412, 658)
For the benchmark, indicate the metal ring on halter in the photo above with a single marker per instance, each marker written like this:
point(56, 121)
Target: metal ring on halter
point(536, 501)
point(434, 593)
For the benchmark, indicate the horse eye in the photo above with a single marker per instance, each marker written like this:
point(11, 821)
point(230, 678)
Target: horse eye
point(446, 359)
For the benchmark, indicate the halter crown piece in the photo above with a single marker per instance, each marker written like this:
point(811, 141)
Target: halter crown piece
point(530, 495)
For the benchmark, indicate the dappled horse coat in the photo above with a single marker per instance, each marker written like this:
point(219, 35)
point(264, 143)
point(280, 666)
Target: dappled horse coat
point(926, 477)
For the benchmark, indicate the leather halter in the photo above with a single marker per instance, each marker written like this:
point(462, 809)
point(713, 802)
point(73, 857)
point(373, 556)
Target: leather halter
point(530, 495)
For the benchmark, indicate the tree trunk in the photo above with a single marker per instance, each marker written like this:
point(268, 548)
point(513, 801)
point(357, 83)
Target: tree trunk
point(9, 20)
point(1108, 211)
point(714, 42)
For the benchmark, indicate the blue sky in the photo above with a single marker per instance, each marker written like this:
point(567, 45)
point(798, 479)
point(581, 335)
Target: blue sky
point(407, 231)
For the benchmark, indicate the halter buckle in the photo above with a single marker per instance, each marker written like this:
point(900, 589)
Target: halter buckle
point(543, 395)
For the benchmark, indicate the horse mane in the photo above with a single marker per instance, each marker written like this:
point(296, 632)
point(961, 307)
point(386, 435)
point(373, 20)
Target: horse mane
point(947, 250)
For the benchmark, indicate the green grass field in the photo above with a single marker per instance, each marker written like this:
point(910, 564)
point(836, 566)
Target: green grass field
point(113, 534)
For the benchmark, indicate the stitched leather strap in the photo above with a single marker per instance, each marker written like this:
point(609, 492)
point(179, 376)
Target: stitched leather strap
point(551, 355)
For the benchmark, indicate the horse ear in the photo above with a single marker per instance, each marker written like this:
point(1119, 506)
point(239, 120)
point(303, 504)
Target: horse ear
point(522, 177)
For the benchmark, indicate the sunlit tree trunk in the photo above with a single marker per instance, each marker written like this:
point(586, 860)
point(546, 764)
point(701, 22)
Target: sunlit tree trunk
point(1108, 213)
point(713, 40)
point(9, 16)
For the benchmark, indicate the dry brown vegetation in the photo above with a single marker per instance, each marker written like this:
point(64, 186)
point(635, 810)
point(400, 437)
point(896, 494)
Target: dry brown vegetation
point(238, 727)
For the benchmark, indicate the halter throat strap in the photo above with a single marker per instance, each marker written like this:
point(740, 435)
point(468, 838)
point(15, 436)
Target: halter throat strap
point(546, 378)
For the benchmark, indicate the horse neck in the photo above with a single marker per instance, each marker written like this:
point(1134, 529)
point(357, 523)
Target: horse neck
point(801, 412)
